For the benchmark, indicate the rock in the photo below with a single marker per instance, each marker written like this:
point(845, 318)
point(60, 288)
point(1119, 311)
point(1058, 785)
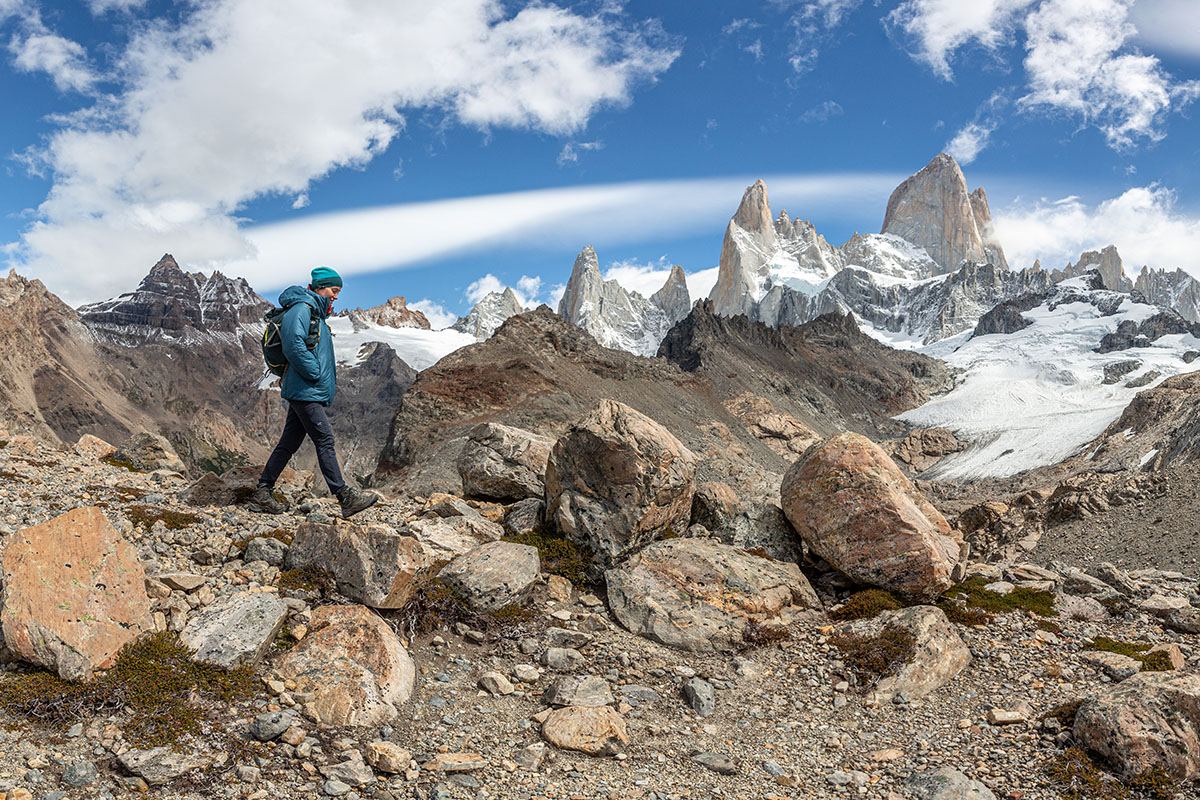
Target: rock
point(718, 763)
point(495, 683)
point(596, 730)
point(444, 539)
point(1083, 608)
point(74, 594)
point(90, 446)
point(703, 596)
point(945, 783)
point(1116, 666)
point(352, 771)
point(526, 673)
point(388, 757)
point(235, 630)
point(392, 313)
point(750, 525)
point(183, 581)
point(1184, 620)
point(939, 652)
point(457, 762)
point(494, 575)
point(294, 485)
point(1161, 605)
point(371, 563)
point(1000, 716)
point(159, 765)
point(268, 726)
point(525, 515)
point(853, 507)
point(1174, 654)
point(335, 788)
point(357, 670)
point(489, 314)
point(499, 462)
point(561, 637)
point(146, 452)
point(563, 659)
point(1150, 720)
point(80, 773)
point(265, 548)
point(616, 480)
point(700, 696)
point(579, 690)
point(208, 490)
point(530, 757)
point(924, 447)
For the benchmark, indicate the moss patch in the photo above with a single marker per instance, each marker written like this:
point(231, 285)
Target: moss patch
point(436, 606)
point(146, 516)
point(867, 604)
point(1151, 662)
point(113, 461)
point(1020, 599)
point(1078, 776)
point(560, 556)
point(278, 534)
point(871, 658)
point(153, 680)
point(307, 579)
point(964, 616)
point(756, 635)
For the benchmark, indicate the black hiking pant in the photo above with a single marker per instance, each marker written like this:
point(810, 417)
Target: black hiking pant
point(305, 419)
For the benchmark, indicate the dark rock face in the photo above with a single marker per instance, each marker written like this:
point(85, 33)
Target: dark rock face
point(1165, 418)
point(1114, 372)
point(1176, 290)
point(170, 303)
point(1132, 334)
point(1004, 318)
point(1106, 262)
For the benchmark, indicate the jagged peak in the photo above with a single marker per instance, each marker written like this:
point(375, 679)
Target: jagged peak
point(754, 212)
point(167, 262)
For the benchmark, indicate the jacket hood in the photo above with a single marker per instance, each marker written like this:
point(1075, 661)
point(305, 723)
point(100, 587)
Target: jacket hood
point(300, 294)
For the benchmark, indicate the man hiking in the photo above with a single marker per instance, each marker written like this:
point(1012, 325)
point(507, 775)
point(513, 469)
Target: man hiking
point(309, 383)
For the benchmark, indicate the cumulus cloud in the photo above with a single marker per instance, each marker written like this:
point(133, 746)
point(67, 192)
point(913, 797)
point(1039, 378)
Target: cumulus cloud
point(99, 7)
point(166, 161)
point(1168, 26)
point(37, 49)
point(526, 291)
point(529, 287)
point(646, 278)
point(1078, 60)
point(1144, 223)
point(435, 312)
point(975, 136)
point(482, 287)
point(301, 201)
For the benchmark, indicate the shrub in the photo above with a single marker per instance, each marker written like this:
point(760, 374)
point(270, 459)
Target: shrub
point(1078, 776)
point(867, 604)
point(871, 658)
point(1151, 662)
point(146, 516)
point(560, 556)
point(1019, 599)
point(756, 635)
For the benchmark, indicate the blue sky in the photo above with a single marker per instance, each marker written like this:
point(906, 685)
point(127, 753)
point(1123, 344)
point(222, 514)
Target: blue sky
point(438, 150)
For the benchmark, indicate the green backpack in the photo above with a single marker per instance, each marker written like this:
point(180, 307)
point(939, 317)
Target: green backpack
point(272, 343)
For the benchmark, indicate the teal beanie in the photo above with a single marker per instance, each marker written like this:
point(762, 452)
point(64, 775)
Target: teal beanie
point(325, 276)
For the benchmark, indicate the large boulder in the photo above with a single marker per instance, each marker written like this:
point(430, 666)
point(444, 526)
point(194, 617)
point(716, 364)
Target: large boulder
point(946, 783)
point(90, 446)
point(372, 564)
point(444, 538)
point(354, 665)
point(617, 479)
point(749, 524)
point(595, 730)
point(494, 575)
point(854, 508)
point(1149, 720)
point(499, 462)
point(146, 452)
point(703, 596)
point(74, 594)
point(235, 630)
point(938, 652)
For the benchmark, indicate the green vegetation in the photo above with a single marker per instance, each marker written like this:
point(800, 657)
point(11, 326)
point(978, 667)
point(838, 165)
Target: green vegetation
point(278, 534)
point(1078, 776)
point(1019, 599)
point(307, 579)
point(560, 556)
point(756, 635)
point(1139, 651)
point(222, 460)
point(113, 461)
point(180, 406)
point(871, 658)
point(146, 516)
point(153, 680)
point(867, 604)
point(436, 606)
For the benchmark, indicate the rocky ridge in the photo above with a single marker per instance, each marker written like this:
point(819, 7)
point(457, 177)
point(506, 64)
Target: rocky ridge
point(489, 314)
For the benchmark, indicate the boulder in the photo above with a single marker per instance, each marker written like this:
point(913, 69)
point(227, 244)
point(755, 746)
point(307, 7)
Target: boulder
point(146, 452)
point(701, 595)
point(1184, 620)
point(595, 730)
point(160, 765)
point(354, 666)
point(939, 653)
point(372, 564)
point(579, 690)
point(90, 446)
point(74, 594)
point(853, 507)
point(945, 783)
point(494, 575)
point(1116, 666)
point(524, 516)
point(208, 490)
point(443, 539)
point(753, 524)
point(388, 757)
point(499, 462)
point(616, 480)
point(235, 630)
point(1149, 720)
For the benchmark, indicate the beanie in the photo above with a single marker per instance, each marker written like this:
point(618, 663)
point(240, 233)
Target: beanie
point(325, 276)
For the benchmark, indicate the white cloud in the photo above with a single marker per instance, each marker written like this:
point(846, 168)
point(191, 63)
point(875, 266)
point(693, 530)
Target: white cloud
point(648, 278)
point(813, 25)
point(973, 137)
point(555, 295)
point(301, 201)
point(936, 29)
point(526, 290)
point(1171, 26)
point(823, 112)
point(739, 24)
point(167, 160)
point(529, 287)
point(570, 151)
point(99, 7)
point(482, 287)
point(64, 60)
point(755, 49)
point(436, 313)
point(1144, 224)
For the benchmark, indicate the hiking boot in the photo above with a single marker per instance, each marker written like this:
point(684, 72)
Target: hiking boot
point(355, 500)
point(263, 501)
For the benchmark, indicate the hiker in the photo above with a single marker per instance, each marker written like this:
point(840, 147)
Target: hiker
point(309, 383)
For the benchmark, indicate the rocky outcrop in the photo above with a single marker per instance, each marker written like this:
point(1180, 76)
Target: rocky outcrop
point(1164, 421)
point(749, 245)
point(934, 210)
point(1176, 290)
point(752, 524)
point(73, 594)
point(673, 298)
point(494, 575)
point(853, 507)
point(1147, 721)
point(372, 564)
point(170, 304)
point(353, 664)
point(946, 783)
point(704, 596)
point(616, 480)
point(1107, 262)
point(922, 448)
point(500, 462)
point(489, 314)
point(147, 452)
point(392, 313)
point(938, 652)
point(1131, 334)
point(617, 317)
point(595, 730)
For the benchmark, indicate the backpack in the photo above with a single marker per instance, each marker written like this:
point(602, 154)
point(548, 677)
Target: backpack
point(272, 343)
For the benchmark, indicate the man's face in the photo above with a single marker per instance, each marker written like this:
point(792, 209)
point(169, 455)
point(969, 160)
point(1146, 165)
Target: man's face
point(331, 292)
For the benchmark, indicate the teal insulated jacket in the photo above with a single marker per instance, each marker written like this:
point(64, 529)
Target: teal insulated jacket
point(311, 375)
